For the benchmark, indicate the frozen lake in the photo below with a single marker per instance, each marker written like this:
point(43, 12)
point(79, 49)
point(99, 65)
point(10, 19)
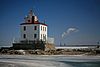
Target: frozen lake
point(48, 61)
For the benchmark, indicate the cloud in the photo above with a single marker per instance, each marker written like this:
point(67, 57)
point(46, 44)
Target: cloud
point(69, 31)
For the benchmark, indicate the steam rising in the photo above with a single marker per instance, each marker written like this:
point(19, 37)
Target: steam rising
point(69, 31)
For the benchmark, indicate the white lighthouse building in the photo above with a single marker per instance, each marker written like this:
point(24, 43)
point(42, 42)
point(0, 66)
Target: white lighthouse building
point(33, 34)
point(32, 29)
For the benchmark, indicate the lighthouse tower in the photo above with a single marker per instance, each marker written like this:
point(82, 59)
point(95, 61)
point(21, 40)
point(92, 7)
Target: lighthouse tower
point(32, 29)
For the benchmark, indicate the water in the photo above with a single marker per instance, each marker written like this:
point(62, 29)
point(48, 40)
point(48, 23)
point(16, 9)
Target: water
point(49, 61)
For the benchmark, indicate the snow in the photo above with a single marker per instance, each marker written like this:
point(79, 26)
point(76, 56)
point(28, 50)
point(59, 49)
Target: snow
point(43, 61)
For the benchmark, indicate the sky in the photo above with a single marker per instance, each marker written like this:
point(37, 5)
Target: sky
point(60, 16)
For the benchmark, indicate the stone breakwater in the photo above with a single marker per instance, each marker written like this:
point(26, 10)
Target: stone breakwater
point(51, 52)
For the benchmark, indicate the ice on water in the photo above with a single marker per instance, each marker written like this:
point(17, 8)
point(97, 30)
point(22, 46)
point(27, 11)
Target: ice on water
point(48, 61)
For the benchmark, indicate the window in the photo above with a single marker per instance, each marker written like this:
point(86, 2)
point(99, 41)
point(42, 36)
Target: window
point(41, 27)
point(24, 28)
point(41, 36)
point(44, 37)
point(28, 20)
point(24, 36)
point(35, 35)
point(45, 28)
point(35, 27)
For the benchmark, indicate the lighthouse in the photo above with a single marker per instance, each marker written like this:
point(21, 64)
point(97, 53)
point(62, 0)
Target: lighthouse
point(32, 29)
point(33, 34)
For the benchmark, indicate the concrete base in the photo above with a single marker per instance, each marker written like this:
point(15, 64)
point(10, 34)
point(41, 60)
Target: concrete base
point(29, 45)
point(33, 45)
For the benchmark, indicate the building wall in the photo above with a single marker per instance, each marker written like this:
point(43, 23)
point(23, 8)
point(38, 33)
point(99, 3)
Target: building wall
point(30, 31)
point(43, 32)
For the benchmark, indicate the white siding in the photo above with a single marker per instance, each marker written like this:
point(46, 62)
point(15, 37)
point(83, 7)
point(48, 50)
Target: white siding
point(30, 32)
point(43, 32)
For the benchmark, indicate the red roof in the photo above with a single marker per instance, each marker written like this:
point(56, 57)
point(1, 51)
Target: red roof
point(36, 22)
